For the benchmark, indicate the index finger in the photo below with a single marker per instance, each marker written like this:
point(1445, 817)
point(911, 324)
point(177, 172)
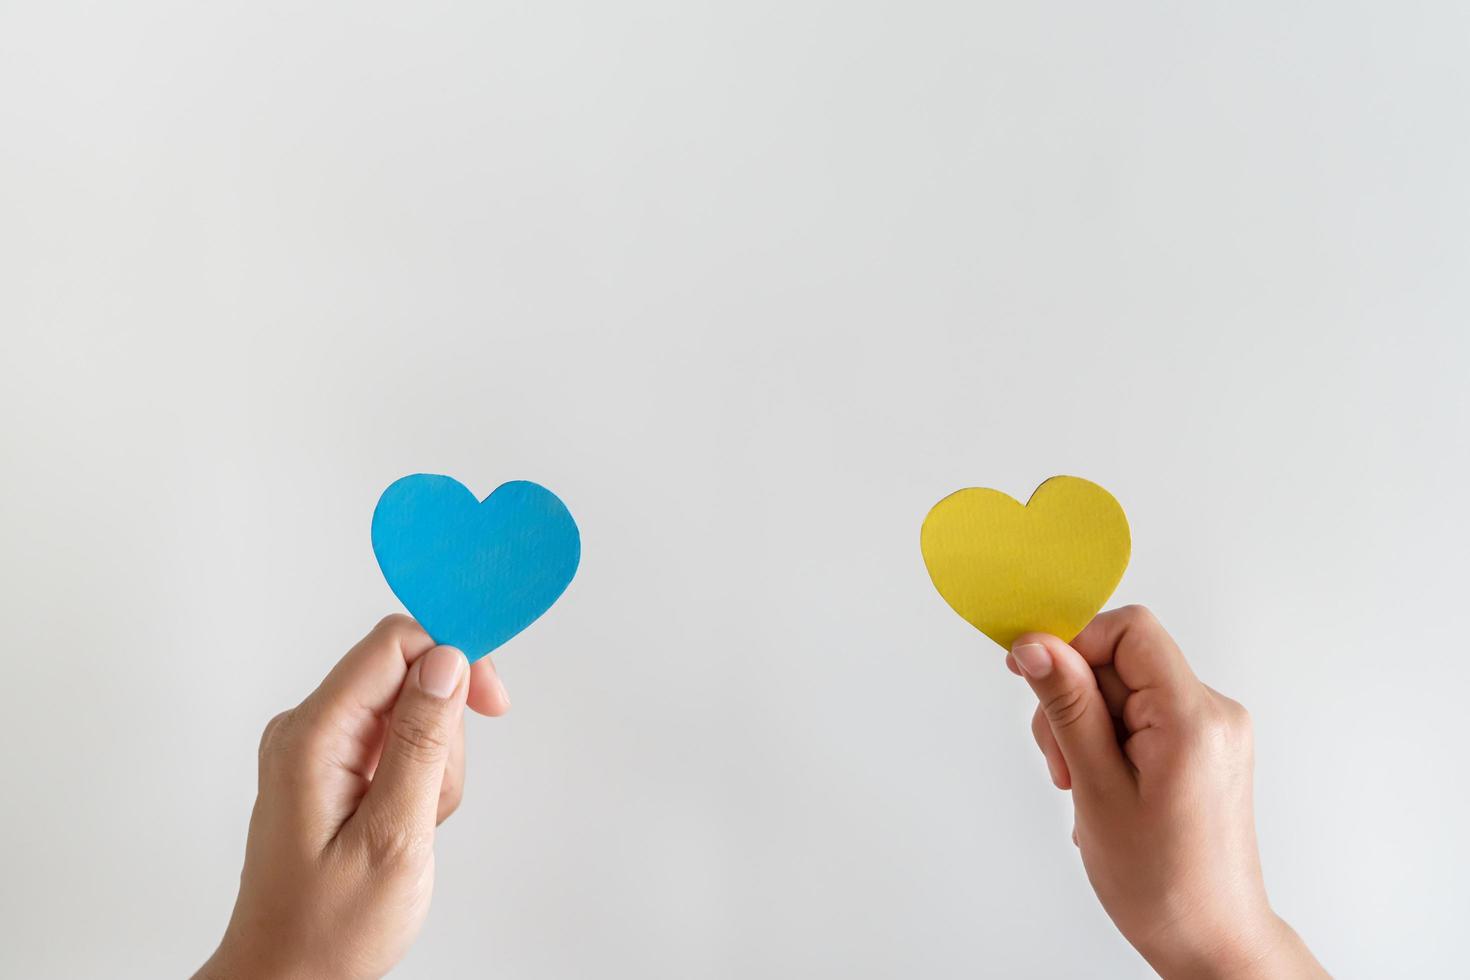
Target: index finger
point(369, 677)
point(487, 693)
point(1139, 649)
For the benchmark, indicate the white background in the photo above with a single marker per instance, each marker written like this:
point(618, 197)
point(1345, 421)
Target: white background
point(751, 286)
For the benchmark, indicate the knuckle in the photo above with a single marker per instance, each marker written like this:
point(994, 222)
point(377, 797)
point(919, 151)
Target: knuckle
point(1040, 728)
point(1227, 726)
point(272, 739)
point(1238, 713)
point(398, 625)
point(306, 728)
point(1067, 708)
point(1239, 719)
point(1141, 709)
point(392, 844)
point(419, 736)
point(1139, 616)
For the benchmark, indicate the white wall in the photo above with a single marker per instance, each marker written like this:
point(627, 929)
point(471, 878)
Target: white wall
point(750, 285)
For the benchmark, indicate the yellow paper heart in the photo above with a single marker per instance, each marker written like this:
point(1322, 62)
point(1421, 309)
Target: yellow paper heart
point(1047, 565)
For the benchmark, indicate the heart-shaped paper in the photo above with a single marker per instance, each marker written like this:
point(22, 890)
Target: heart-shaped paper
point(1008, 568)
point(474, 573)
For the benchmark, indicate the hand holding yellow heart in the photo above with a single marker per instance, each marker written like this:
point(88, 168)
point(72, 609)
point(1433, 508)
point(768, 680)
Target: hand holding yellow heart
point(1047, 565)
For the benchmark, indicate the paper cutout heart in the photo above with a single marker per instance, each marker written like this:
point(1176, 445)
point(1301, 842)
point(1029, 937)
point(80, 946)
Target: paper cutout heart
point(474, 573)
point(1047, 565)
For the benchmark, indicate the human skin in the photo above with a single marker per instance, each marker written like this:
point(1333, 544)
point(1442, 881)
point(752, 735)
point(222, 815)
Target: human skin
point(339, 860)
point(1159, 767)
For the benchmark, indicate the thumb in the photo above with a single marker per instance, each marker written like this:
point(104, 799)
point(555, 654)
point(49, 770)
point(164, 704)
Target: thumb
point(404, 794)
point(1074, 708)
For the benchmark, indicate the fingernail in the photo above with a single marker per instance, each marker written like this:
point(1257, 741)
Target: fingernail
point(504, 695)
point(1034, 659)
point(439, 671)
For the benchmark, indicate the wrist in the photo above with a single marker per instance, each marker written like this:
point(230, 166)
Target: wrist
point(1263, 949)
point(234, 960)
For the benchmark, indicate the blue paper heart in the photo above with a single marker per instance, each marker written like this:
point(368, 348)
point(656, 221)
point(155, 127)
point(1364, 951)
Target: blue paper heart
point(474, 573)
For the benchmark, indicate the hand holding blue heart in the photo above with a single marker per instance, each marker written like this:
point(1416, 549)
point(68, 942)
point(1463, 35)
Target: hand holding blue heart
point(474, 573)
